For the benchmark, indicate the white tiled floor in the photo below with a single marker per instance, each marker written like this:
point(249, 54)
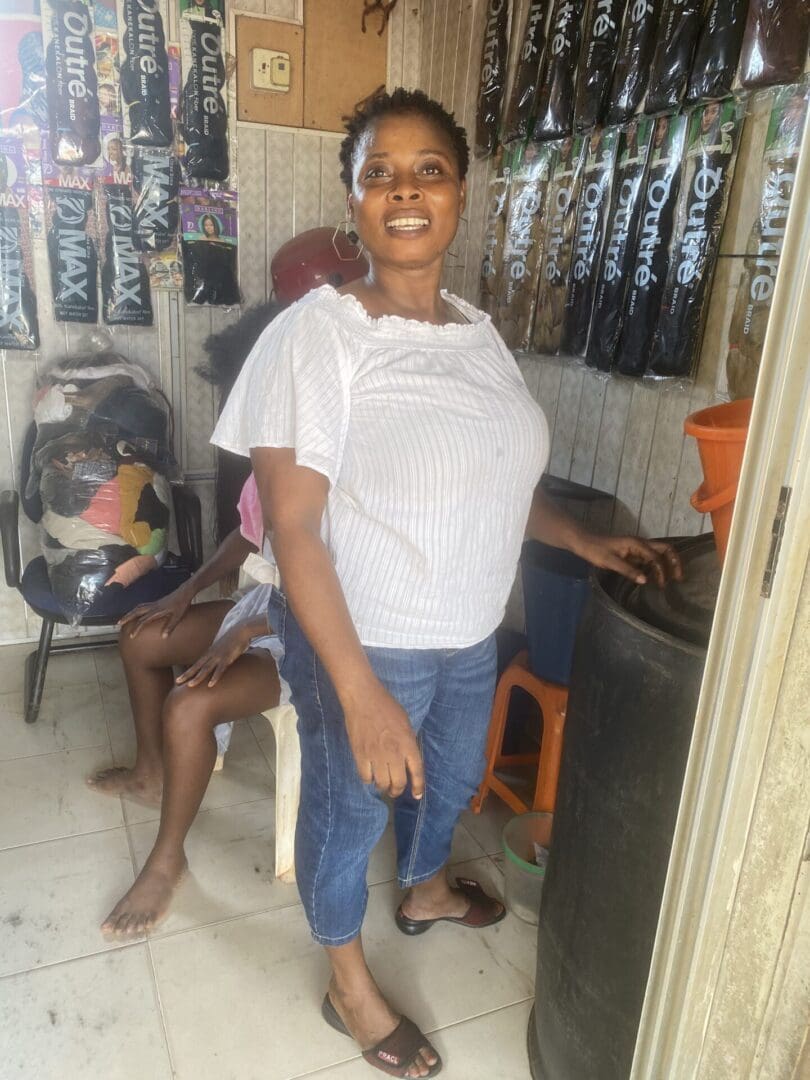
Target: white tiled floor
point(229, 987)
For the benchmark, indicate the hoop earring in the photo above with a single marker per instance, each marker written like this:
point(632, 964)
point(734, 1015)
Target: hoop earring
point(345, 228)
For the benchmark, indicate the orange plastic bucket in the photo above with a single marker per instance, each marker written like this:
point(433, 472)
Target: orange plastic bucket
point(720, 432)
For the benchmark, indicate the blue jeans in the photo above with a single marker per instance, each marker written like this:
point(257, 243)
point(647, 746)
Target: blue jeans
point(447, 694)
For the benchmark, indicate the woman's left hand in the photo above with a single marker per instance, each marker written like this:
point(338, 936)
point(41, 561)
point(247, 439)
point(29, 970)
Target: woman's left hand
point(217, 658)
point(634, 558)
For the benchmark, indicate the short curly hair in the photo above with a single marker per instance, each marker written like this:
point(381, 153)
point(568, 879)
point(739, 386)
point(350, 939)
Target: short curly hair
point(400, 102)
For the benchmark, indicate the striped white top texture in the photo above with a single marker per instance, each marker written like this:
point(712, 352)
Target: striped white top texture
point(432, 446)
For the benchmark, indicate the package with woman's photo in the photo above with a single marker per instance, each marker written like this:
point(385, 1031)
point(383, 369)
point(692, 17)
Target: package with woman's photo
point(528, 193)
point(755, 290)
point(621, 233)
point(529, 70)
point(558, 241)
point(145, 72)
point(124, 280)
point(209, 226)
point(711, 152)
point(633, 59)
point(107, 71)
point(717, 53)
point(672, 60)
point(18, 306)
point(554, 109)
point(495, 231)
point(646, 283)
point(600, 38)
point(203, 112)
point(774, 48)
point(70, 59)
point(589, 238)
point(72, 254)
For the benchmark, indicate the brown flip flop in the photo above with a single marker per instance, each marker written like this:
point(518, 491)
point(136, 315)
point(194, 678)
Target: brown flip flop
point(395, 1053)
point(483, 911)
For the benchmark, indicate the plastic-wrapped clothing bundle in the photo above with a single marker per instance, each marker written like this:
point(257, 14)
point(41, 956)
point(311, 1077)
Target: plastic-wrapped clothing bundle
point(755, 290)
point(529, 69)
point(72, 255)
point(646, 284)
point(124, 280)
point(558, 236)
point(672, 61)
point(99, 467)
point(718, 51)
point(156, 188)
point(73, 110)
point(144, 72)
point(621, 232)
point(209, 247)
point(599, 40)
point(492, 80)
point(554, 110)
point(594, 201)
point(632, 71)
point(523, 247)
point(494, 234)
point(204, 115)
point(714, 136)
point(774, 48)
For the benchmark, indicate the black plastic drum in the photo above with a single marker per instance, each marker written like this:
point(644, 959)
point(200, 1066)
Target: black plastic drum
point(637, 670)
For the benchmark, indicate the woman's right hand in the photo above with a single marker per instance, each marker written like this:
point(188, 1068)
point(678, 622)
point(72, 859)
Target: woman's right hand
point(169, 610)
point(383, 743)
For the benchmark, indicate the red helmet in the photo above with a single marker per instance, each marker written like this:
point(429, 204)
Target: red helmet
point(313, 258)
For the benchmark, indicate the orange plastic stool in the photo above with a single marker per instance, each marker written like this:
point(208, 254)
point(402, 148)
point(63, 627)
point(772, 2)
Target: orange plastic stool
point(552, 700)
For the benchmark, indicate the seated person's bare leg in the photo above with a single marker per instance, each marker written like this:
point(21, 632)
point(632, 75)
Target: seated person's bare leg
point(148, 658)
point(249, 686)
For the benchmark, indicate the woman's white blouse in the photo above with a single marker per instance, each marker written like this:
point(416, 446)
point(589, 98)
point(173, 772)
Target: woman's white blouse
point(432, 446)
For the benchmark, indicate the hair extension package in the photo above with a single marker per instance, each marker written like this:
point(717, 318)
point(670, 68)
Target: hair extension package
point(529, 69)
point(145, 72)
point(203, 112)
point(718, 51)
point(523, 247)
point(589, 236)
point(599, 40)
point(156, 188)
point(18, 306)
point(72, 252)
point(711, 151)
point(755, 290)
point(558, 237)
point(672, 61)
point(495, 232)
point(621, 232)
point(73, 108)
point(492, 78)
point(636, 47)
point(209, 226)
point(646, 282)
point(124, 281)
point(774, 48)
point(554, 110)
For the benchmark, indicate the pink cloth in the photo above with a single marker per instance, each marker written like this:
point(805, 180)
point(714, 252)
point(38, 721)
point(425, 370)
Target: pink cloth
point(250, 513)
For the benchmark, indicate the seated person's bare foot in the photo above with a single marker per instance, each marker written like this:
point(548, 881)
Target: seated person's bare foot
point(369, 1019)
point(132, 784)
point(148, 901)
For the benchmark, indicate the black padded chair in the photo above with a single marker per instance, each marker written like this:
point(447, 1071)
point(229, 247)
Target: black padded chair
point(112, 603)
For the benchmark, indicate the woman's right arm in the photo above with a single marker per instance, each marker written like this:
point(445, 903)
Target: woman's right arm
point(293, 501)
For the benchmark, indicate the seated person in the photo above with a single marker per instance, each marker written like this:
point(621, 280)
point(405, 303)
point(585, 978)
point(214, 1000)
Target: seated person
point(229, 654)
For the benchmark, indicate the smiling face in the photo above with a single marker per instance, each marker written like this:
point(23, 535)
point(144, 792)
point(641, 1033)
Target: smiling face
point(406, 195)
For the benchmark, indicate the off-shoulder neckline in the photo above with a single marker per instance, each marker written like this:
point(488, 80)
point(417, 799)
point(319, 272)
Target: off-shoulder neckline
point(396, 323)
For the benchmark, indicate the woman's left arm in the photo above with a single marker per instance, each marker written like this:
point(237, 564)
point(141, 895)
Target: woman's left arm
point(630, 556)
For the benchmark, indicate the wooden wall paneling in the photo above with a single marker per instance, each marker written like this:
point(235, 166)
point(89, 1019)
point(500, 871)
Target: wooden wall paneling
point(430, 9)
point(548, 389)
point(306, 182)
point(279, 9)
point(665, 461)
point(683, 520)
point(589, 421)
point(565, 427)
point(530, 370)
point(395, 70)
point(445, 82)
point(279, 197)
point(253, 234)
point(411, 17)
point(464, 91)
point(196, 397)
point(635, 458)
point(333, 193)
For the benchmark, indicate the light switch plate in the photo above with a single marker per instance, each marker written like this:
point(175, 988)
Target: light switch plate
point(271, 70)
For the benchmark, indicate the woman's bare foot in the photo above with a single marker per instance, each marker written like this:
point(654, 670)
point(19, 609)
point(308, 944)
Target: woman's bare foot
point(147, 902)
point(369, 1019)
point(131, 783)
point(435, 899)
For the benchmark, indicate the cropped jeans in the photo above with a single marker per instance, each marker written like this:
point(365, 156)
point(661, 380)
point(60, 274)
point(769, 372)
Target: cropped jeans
point(447, 694)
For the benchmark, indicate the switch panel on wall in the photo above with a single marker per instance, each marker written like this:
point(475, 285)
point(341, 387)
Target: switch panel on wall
point(269, 71)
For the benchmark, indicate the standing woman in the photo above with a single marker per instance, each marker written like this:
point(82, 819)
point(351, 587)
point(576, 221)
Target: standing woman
point(397, 452)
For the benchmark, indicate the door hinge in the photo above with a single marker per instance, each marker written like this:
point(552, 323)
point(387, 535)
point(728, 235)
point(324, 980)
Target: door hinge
point(777, 530)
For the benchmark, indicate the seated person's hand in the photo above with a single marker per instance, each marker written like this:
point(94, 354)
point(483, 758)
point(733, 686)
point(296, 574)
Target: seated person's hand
point(635, 558)
point(223, 652)
point(169, 610)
